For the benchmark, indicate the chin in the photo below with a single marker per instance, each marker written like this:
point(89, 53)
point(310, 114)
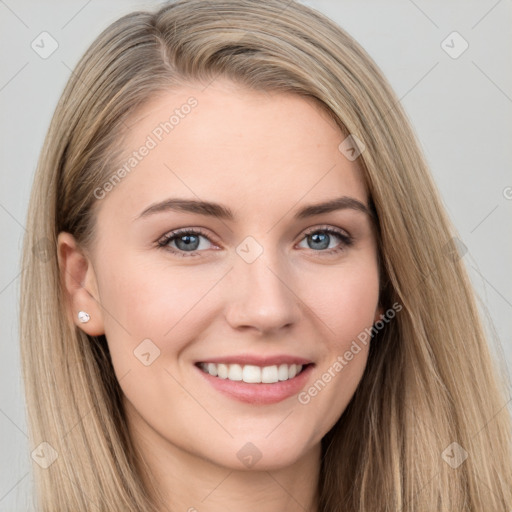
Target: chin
point(252, 453)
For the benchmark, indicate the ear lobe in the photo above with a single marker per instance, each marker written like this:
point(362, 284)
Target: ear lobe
point(378, 314)
point(78, 280)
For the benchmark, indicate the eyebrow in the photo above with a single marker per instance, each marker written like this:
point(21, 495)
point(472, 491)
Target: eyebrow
point(223, 212)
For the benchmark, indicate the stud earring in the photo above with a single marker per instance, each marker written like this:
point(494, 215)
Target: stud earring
point(83, 316)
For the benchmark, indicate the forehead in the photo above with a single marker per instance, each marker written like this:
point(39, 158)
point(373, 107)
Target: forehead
point(230, 144)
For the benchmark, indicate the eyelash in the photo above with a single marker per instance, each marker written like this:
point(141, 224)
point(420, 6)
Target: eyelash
point(346, 240)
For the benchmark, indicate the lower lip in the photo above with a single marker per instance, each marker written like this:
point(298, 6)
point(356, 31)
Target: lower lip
point(259, 393)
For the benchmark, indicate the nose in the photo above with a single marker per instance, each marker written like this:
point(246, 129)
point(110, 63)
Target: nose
point(261, 296)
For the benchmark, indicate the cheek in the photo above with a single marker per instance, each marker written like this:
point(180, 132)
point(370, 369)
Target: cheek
point(152, 300)
point(345, 299)
point(346, 303)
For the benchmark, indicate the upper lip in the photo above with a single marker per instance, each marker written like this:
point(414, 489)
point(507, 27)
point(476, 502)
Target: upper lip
point(255, 360)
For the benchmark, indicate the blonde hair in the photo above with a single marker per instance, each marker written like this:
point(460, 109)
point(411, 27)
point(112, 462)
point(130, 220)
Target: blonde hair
point(430, 379)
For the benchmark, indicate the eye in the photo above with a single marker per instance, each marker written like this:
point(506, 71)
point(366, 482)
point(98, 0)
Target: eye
point(323, 238)
point(183, 241)
point(192, 241)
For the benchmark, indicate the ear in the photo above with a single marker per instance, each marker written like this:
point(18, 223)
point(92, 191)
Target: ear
point(379, 313)
point(80, 286)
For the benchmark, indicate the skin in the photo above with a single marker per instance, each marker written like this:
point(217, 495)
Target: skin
point(264, 156)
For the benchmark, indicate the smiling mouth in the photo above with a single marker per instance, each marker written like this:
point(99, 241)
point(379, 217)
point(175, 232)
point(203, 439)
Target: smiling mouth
point(253, 374)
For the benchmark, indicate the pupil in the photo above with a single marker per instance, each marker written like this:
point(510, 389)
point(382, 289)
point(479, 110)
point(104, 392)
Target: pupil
point(322, 239)
point(188, 241)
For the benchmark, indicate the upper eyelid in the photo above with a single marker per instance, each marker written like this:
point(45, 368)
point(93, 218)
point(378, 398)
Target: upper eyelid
point(326, 227)
point(171, 235)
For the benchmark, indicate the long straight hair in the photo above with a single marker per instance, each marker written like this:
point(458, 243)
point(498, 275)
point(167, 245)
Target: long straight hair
point(430, 380)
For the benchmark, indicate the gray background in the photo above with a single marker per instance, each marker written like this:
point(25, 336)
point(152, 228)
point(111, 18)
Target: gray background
point(460, 107)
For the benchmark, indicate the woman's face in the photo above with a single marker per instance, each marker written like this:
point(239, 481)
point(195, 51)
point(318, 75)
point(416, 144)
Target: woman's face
point(258, 275)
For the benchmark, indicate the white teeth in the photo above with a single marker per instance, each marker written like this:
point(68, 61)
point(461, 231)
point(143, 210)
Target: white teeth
point(222, 370)
point(269, 374)
point(235, 372)
point(282, 372)
point(212, 369)
point(252, 374)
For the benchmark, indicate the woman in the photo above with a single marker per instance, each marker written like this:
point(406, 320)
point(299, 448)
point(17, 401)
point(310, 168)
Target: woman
point(242, 290)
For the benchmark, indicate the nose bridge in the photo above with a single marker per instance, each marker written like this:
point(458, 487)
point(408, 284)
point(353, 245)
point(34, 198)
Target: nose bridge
point(261, 287)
